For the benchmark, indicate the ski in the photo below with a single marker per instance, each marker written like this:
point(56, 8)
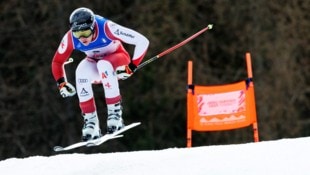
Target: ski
point(99, 141)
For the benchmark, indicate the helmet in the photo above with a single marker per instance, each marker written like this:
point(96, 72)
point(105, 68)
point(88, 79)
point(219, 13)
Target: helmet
point(82, 19)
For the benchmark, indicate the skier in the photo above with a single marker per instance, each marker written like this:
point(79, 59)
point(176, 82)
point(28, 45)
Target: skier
point(106, 62)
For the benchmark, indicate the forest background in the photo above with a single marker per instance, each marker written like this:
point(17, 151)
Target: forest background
point(34, 117)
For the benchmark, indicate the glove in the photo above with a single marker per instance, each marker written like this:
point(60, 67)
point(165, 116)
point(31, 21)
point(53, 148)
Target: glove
point(124, 72)
point(66, 89)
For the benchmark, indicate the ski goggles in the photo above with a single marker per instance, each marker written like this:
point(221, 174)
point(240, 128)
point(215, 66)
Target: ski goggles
point(82, 33)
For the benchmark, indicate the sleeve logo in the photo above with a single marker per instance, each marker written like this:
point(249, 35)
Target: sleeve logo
point(63, 45)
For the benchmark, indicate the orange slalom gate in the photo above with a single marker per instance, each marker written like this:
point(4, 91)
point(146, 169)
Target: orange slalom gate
point(221, 107)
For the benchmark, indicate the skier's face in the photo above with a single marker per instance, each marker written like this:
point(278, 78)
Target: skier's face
point(85, 40)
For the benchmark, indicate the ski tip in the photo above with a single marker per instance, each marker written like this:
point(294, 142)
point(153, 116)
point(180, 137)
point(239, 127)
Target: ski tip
point(133, 125)
point(58, 148)
point(136, 124)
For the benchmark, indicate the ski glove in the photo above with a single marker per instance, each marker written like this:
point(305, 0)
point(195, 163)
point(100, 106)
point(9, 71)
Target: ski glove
point(124, 72)
point(66, 89)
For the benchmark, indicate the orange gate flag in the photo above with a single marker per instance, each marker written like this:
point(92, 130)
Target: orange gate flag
point(221, 107)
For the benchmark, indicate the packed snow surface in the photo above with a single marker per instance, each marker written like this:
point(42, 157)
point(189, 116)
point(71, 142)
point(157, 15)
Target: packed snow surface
point(283, 157)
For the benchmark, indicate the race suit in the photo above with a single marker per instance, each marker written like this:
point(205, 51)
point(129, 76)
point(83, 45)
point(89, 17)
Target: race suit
point(103, 55)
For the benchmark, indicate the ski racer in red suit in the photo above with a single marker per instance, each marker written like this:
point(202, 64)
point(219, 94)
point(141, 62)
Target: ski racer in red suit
point(106, 62)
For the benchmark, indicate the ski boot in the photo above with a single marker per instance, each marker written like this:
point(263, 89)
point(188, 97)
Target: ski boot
point(91, 129)
point(114, 120)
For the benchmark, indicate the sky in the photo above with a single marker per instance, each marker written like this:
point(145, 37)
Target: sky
point(283, 157)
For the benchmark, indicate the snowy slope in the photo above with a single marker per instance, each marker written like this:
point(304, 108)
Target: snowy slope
point(284, 157)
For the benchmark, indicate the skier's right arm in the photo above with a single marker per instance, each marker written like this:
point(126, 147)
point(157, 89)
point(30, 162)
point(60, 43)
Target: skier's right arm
point(62, 54)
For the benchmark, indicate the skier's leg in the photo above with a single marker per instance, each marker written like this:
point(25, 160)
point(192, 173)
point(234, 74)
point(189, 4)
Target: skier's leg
point(112, 95)
point(86, 73)
point(109, 80)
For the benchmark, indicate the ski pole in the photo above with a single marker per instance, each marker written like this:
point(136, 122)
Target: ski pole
point(174, 47)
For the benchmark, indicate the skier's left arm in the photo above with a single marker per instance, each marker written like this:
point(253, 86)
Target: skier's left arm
point(131, 37)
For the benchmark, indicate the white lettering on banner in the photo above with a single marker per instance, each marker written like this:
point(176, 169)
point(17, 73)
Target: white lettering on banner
point(221, 103)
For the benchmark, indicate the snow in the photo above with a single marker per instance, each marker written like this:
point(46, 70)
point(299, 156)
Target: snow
point(285, 157)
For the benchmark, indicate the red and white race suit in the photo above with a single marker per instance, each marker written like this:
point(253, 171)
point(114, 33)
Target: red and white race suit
point(103, 55)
